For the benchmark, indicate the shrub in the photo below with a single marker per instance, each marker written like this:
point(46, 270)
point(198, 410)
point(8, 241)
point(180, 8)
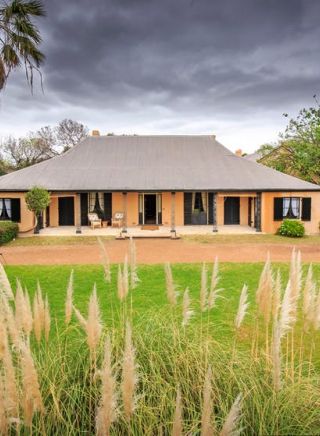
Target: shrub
point(37, 200)
point(8, 231)
point(291, 228)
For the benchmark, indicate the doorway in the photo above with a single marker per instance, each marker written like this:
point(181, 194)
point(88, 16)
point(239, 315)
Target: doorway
point(231, 210)
point(150, 208)
point(66, 211)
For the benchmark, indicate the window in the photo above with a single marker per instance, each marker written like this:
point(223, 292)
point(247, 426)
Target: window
point(10, 209)
point(96, 203)
point(292, 208)
point(199, 202)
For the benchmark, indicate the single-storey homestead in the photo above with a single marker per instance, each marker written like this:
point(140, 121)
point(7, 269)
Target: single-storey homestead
point(160, 180)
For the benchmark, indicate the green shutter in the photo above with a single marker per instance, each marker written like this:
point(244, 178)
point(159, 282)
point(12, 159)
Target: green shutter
point(15, 210)
point(306, 209)
point(187, 208)
point(277, 209)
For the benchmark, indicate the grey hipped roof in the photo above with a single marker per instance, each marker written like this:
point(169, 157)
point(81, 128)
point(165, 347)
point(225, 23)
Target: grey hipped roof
point(151, 163)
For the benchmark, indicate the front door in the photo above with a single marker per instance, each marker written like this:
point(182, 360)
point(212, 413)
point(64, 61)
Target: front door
point(150, 209)
point(232, 210)
point(66, 211)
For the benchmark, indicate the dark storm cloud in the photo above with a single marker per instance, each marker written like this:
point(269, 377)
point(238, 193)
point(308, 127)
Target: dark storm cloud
point(197, 59)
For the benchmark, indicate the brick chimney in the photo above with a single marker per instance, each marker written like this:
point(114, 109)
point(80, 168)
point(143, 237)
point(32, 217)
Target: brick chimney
point(239, 152)
point(95, 133)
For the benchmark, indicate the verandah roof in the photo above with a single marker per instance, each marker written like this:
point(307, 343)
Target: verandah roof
point(151, 163)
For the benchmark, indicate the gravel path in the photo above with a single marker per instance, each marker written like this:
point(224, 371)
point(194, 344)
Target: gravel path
point(152, 251)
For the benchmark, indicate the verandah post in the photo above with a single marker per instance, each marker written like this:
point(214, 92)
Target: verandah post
point(258, 212)
point(125, 210)
point(214, 212)
point(173, 212)
point(78, 214)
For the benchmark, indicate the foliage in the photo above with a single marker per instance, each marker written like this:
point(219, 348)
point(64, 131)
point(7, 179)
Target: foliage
point(291, 228)
point(37, 199)
point(298, 152)
point(8, 231)
point(43, 144)
point(170, 356)
point(265, 149)
point(20, 38)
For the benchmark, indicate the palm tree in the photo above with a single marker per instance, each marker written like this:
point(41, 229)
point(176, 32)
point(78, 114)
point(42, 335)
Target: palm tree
point(20, 38)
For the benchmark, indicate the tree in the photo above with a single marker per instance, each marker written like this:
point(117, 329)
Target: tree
point(298, 151)
point(43, 144)
point(69, 133)
point(37, 200)
point(265, 149)
point(20, 38)
point(24, 152)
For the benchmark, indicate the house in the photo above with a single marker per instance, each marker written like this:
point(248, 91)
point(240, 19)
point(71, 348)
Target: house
point(161, 180)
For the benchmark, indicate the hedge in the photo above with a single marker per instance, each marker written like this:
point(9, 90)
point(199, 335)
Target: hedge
point(8, 231)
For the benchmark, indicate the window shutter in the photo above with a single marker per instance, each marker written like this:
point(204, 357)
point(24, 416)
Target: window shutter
point(277, 209)
point(108, 206)
point(187, 207)
point(306, 209)
point(210, 206)
point(15, 210)
point(84, 209)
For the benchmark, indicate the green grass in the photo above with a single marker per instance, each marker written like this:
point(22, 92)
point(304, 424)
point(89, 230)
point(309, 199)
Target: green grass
point(168, 355)
point(252, 239)
point(149, 298)
point(203, 239)
point(56, 240)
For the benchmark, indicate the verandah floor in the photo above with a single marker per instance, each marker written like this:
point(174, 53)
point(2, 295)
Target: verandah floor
point(137, 231)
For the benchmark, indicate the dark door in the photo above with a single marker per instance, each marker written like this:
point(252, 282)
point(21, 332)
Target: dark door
point(66, 211)
point(232, 210)
point(48, 216)
point(150, 209)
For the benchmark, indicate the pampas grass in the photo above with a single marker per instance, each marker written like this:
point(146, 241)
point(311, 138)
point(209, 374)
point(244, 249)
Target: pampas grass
point(129, 375)
point(187, 312)
point(11, 388)
point(230, 427)
point(177, 426)
point(105, 261)
point(170, 285)
point(214, 293)
point(69, 300)
point(27, 317)
point(134, 279)
point(5, 287)
point(32, 399)
point(207, 427)
point(204, 288)
point(92, 325)
point(242, 308)
point(174, 392)
point(47, 319)
point(4, 424)
point(107, 409)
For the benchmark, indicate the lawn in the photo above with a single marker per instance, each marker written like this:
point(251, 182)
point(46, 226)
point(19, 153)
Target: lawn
point(149, 296)
point(170, 356)
point(204, 239)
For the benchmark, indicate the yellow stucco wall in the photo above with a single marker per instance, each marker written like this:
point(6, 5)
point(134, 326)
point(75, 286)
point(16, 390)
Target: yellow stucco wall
point(270, 226)
point(27, 217)
point(267, 223)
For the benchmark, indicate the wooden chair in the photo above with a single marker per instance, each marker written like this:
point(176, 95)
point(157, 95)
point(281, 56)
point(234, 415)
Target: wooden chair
point(117, 219)
point(94, 220)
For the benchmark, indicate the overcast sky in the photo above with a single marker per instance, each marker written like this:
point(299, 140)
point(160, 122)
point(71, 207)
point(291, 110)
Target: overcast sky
point(229, 68)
